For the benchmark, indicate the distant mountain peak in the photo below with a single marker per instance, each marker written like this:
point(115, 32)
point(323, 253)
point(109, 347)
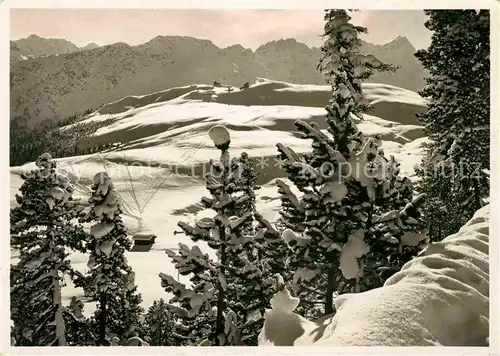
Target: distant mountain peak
point(237, 50)
point(158, 38)
point(287, 40)
point(171, 38)
point(36, 46)
point(400, 41)
point(45, 39)
point(291, 43)
point(235, 47)
point(399, 44)
point(120, 45)
point(91, 45)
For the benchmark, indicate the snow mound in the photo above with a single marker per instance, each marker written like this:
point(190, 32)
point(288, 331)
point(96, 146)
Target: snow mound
point(281, 317)
point(354, 249)
point(219, 135)
point(440, 298)
point(283, 301)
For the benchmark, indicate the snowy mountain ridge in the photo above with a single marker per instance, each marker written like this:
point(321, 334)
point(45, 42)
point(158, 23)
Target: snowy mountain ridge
point(76, 80)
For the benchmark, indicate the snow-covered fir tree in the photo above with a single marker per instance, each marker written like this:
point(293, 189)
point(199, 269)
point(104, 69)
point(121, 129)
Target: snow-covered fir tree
point(252, 270)
point(230, 293)
point(457, 120)
point(348, 227)
point(252, 281)
point(110, 281)
point(43, 228)
point(158, 325)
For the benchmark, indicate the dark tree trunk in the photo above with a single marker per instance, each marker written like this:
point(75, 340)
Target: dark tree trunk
point(102, 320)
point(219, 323)
point(330, 289)
point(477, 195)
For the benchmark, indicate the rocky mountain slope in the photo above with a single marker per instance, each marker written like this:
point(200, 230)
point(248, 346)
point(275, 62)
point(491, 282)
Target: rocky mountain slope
point(15, 53)
point(61, 85)
point(399, 52)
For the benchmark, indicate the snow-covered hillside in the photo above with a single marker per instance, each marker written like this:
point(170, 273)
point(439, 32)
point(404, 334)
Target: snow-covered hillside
point(164, 145)
point(169, 127)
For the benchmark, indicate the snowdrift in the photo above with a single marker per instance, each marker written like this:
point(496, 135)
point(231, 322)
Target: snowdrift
point(440, 298)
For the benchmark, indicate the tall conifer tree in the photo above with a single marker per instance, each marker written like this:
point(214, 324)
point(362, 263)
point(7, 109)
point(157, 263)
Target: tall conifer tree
point(43, 229)
point(352, 229)
point(229, 293)
point(457, 119)
point(111, 281)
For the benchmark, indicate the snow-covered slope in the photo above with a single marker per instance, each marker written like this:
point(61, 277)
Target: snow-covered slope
point(160, 127)
point(160, 164)
point(439, 298)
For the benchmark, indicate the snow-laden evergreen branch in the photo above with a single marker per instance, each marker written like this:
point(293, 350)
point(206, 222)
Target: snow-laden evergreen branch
point(339, 225)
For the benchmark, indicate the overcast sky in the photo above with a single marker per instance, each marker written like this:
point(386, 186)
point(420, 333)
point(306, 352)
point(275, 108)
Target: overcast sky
point(250, 28)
